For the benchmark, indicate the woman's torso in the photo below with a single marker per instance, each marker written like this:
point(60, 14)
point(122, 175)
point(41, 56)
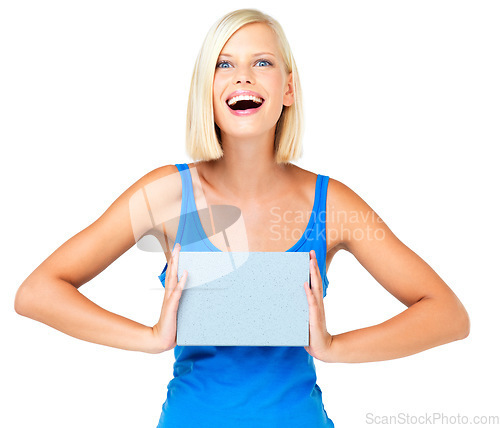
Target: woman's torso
point(295, 198)
point(249, 386)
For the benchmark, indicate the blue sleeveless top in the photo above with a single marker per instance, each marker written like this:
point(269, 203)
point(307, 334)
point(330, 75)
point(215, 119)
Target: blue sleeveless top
point(245, 386)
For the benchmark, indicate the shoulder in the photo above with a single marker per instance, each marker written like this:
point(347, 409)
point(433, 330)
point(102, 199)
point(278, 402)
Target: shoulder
point(157, 191)
point(166, 177)
point(302, 179)
point(155, 200)
point(349, 216)
point(158, 173)
point(336, 190)
point(339, 195)
point(344, 199)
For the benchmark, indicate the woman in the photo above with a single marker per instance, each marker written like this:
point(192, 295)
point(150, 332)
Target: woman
point(244, 124)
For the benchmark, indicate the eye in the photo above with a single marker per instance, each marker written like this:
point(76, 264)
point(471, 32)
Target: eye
point(264, 60)
point(222, 63)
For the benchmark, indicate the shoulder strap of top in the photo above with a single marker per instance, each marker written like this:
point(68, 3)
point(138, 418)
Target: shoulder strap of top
point(182, 219)
point(321, 225)
point(321, 214)
point(186, 189)
point(182, 166)
point(185, 184)
point(188, 202)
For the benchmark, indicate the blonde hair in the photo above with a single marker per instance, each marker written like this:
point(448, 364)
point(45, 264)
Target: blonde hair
point(203, 140)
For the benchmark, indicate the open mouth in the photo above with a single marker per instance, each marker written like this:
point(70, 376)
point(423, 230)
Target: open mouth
point(245, 105)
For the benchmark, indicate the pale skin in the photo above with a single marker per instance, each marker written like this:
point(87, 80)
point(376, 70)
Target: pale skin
point(248, 177)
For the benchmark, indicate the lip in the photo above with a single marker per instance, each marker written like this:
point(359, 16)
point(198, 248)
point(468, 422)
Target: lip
point(246, 112)
point(244, 92)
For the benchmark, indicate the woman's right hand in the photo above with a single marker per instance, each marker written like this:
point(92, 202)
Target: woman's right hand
point(165, 330)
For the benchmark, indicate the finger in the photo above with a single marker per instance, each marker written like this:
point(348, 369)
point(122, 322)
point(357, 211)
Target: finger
point(319, 292)
point(174, 264)
point(172, 305)
point(176, 293)
point(316, 263)
point(319, 281)
point(170, 261)
point(313, 307)
point(315, 278)
point(173, 302)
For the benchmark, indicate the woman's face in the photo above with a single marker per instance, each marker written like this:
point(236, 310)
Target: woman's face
point(250, 61)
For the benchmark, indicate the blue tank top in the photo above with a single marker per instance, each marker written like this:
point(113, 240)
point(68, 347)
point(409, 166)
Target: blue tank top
point(245, 386)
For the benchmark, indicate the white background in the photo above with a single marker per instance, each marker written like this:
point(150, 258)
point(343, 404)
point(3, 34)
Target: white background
point(402, 105)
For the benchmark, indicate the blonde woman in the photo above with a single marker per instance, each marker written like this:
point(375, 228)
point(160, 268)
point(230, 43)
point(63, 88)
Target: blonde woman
point(244, 128)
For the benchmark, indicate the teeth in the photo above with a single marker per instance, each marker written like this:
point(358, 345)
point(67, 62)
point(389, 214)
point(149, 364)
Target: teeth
point(234, 100)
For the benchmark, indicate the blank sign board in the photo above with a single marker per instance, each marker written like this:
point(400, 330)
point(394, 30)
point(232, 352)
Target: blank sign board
point(243, 299)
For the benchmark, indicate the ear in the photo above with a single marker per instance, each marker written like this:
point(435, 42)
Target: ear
point(289, 96)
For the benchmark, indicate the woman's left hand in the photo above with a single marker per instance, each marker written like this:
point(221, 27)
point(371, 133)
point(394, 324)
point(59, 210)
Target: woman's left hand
point(320, 340)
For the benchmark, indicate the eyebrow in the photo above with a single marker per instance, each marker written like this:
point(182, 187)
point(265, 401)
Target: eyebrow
point(256, 54)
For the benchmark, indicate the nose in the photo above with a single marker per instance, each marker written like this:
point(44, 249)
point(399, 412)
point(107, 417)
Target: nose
point(243, 75)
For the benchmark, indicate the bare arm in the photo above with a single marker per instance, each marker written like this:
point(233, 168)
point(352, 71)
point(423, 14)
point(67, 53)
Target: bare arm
point(60, 305)
point(435, 315)
point(50, 294)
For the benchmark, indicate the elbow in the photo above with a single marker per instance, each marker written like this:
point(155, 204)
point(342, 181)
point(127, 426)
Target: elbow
point(25, 300)
point(464, 325)
point(21, 299)
point(461, 323)
point(32, 294)
point(453, 320)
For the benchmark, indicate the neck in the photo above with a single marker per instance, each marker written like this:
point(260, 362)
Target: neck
point(247, 169)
